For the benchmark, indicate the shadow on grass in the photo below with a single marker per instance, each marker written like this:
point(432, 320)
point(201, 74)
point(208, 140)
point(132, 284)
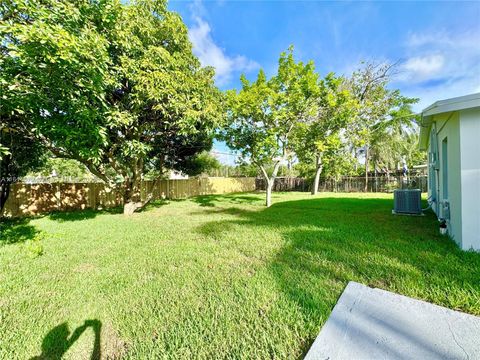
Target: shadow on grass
point(19, 229)
point(16, 231)
point(155, 204)
point(78, 215)
point(331, 241)
point(239, 198)
point(58, 340)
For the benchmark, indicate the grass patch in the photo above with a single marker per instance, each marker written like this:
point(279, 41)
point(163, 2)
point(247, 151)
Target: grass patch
point(215, 275)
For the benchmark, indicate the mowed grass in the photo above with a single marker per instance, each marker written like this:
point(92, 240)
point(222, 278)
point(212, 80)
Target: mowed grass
point(215, 276)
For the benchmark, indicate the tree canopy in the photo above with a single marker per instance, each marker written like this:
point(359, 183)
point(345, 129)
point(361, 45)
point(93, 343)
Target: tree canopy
point(379, 109)
point(318, 138)
point(320, 122)
point(262, 115)
point(114, 86)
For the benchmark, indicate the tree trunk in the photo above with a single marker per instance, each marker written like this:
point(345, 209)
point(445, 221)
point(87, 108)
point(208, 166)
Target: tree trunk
point(132, 197)
point(5, 181)
point(4, 192)
point(270, 181)
point(268, 200)
point(318, 172)
point(366, 168)
point(131, 206)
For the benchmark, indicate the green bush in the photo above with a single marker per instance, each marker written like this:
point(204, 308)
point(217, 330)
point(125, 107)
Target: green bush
point(34, 247)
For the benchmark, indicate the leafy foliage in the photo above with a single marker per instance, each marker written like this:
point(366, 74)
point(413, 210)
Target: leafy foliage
point(62, 168)
point(108, 84)
point(262, 115)
point(21, 155)
point(381, 111)
point(395, 141)
point(318, 139)
point(201, 163)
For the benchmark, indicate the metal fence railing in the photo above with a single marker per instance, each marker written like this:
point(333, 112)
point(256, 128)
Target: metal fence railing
point(348, 183)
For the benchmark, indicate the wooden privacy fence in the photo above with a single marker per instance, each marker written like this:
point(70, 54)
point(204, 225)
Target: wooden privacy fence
point(34, 199)
point(348, 184)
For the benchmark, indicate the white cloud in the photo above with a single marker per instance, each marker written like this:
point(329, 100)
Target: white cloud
point(211, 54)
point(443, 38)
point(424, 66)
point(440, 65)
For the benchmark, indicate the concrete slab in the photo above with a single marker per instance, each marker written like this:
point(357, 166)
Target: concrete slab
point(371, 323)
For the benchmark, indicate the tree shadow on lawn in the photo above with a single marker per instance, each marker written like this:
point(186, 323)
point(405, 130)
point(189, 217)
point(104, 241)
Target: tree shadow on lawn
point(236, 198)
point(19, 230)
point(331, 241)
point(155, 205)
point(78, 215)
point(16, 231)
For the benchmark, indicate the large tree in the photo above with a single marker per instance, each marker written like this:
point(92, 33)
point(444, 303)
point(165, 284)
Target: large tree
point(262, 115)
point(107, 84)
point(319, 135)
point(376, 105)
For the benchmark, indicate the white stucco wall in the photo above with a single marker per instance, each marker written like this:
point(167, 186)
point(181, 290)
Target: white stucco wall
point(470, 177)
point(431, 175)
point(448, 126)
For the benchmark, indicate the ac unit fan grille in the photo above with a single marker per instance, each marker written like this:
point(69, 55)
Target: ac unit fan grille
point(407, 201)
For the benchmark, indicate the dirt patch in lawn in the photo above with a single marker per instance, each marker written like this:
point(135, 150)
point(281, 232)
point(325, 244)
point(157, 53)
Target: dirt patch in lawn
point(84, 267)
point(113, 347)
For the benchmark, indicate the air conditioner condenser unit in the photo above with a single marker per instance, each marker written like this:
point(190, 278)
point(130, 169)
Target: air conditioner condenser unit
point(407, 202)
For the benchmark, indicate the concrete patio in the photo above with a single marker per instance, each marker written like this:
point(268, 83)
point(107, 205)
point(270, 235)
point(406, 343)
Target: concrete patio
point(371, 323)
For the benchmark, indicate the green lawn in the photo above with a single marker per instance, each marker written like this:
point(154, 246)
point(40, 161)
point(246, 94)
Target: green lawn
point(214, 276)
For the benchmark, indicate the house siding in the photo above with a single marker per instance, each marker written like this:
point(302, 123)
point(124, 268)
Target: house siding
point(470, 177)
point(447, 126)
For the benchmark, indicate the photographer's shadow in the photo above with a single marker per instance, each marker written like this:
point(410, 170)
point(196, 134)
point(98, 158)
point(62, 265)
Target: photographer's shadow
point(57, 342)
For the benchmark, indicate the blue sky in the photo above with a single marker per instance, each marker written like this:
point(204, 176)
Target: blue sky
point(437, 44)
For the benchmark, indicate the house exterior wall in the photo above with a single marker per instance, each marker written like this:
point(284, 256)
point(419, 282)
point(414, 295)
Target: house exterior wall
point(448, 181)
point(470, 177)
point(433, 167)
